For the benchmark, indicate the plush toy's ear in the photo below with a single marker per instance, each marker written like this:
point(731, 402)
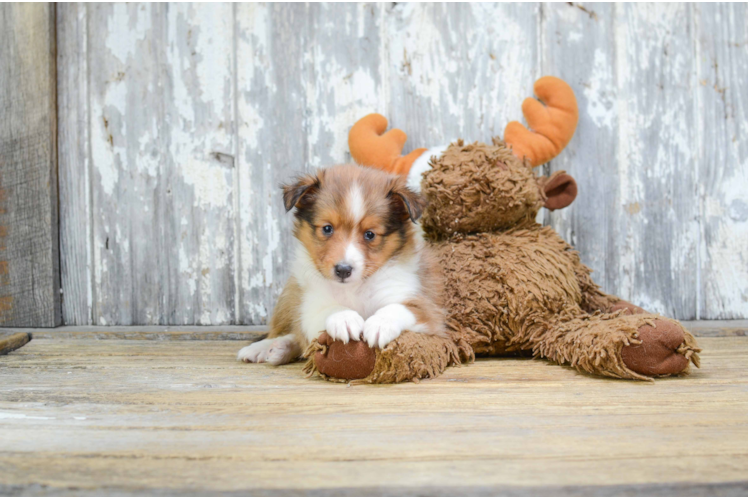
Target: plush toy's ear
point(410, 203)
point(560, 190)
point(301, 193)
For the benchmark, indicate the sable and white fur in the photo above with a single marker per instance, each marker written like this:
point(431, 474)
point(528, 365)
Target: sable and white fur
point(389, 283)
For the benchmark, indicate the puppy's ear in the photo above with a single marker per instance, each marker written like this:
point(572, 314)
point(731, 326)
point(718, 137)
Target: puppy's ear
point(406, 200)
point(301, 193)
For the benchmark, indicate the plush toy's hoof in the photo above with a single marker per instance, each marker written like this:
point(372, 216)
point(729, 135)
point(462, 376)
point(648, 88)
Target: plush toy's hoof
point(630, 308)
point(351, 361)
point(662, 350)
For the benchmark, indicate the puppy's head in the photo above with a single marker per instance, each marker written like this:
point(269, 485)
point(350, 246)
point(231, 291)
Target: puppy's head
point(352, 219)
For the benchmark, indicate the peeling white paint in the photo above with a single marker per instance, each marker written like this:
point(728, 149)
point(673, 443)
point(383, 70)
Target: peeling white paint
point(273, 238)
point(351, 95)
point(601, 92)
point(726, 250)
point(210, 181)
point(186, 270)
point(127, 27)
point(20, 416)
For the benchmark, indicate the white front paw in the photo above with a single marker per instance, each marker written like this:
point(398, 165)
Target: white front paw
point(345, 325)
point(275, 351)
point(380, 331)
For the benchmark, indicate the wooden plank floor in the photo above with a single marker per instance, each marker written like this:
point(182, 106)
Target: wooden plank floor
point(86, 416)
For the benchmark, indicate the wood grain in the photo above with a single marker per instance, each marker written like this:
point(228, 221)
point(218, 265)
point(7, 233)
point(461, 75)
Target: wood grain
point(722, 97)
point(143, 417)
point(459, 70)
point(658, 179)
point(74, 155)
point(195, 114)
point(162, 149)
point(636, 220)
point(160, 333)
point(580, 49)
point(29, 258)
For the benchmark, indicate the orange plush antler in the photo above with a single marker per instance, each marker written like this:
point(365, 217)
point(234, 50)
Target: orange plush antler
point(551, 126)
point(371, 147)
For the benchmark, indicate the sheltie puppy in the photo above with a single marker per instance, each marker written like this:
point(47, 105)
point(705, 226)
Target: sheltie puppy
point(361, 269)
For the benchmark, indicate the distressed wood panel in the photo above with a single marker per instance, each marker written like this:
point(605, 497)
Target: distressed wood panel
point(124, 107)
point(74, 156)
point(657, 175)
point(579, 47)
point(636, 219)
point(723, 172)
point(197, 113)
point(199, 191)
point(29, 258)
point(162, 161)
point(459, 70)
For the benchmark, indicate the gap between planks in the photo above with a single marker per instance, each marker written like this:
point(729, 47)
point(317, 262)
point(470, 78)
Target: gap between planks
point(251, 333)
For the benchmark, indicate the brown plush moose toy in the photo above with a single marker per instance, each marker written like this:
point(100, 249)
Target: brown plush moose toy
point(510, 284)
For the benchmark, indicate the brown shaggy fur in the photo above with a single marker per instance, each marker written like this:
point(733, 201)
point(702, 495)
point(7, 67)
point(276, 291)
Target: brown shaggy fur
point(476, 187)
point(512, 284)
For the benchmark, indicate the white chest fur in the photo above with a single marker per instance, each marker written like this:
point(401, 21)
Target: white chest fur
point(394, 283)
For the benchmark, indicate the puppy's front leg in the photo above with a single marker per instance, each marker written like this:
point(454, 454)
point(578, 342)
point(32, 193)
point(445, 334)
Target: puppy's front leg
point(387, 323)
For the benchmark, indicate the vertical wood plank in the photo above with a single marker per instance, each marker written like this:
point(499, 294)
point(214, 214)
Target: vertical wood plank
point(127, 110)
point(74, 163)
point(459, 70)
point(272, 71)
point(579, 47)
point(29, 258)
point(722, 44)
point(306, 73)
point(197, 184)
point(162, 140)
point(657, 178)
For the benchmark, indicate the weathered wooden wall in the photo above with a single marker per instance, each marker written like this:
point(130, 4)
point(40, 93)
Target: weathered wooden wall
point(29, 259)
point(177, 123)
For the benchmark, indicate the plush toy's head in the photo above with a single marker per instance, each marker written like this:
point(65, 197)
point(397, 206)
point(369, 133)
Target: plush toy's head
point(479, 187)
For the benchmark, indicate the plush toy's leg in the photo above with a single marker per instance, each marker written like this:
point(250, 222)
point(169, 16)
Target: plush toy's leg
point(662, 347)
point(410, 357)
point(633, 346)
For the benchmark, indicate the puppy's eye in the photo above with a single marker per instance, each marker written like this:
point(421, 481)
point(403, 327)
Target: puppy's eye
point(327, 230)
point(369, 235)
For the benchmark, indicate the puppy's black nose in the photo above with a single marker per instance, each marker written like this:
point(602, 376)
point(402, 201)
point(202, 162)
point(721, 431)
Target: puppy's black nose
point(343, 271)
